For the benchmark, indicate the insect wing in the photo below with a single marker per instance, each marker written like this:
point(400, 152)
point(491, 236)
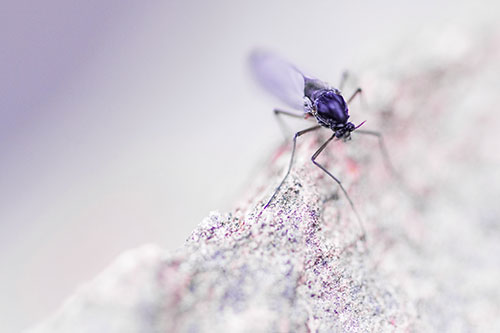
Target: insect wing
point(279, 77)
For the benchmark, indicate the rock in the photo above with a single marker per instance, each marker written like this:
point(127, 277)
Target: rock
point(432, 233)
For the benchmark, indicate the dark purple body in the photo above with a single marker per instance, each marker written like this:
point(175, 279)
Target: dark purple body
point(328, 107)
point(299, 91)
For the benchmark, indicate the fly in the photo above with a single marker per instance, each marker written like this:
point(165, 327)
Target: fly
point(314, 98)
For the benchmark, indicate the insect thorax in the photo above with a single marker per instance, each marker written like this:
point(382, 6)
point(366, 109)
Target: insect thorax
point(329, 108)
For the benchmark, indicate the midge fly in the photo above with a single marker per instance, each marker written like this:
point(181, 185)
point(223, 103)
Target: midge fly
point(314, 98)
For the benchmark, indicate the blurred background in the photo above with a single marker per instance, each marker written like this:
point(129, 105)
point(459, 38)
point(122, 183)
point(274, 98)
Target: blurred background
point(126, 122)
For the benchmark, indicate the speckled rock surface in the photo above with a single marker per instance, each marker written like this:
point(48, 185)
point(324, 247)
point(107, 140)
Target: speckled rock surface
point(429, 264)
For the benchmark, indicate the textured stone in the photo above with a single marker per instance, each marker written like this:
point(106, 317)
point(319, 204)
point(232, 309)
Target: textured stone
point(430, 261)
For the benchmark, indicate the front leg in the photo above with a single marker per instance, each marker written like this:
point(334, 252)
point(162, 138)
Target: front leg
point(313, 158)
point(291, 159)
point(383, 150)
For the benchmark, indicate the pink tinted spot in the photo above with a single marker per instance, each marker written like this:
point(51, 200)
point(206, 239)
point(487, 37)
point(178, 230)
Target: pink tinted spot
point(352, 167)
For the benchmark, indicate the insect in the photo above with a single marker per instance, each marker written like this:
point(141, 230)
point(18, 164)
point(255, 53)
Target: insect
point(314, 98)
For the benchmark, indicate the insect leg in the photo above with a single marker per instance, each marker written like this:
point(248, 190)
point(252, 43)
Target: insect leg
point(288, 113)
point(388, 164)
point(343, 79)
point(278, 113)
point(291, 160)
point(358, 91)
point(313, 158)
point(383, 150)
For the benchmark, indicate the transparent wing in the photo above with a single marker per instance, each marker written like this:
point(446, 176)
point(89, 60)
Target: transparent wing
point(279, 77)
